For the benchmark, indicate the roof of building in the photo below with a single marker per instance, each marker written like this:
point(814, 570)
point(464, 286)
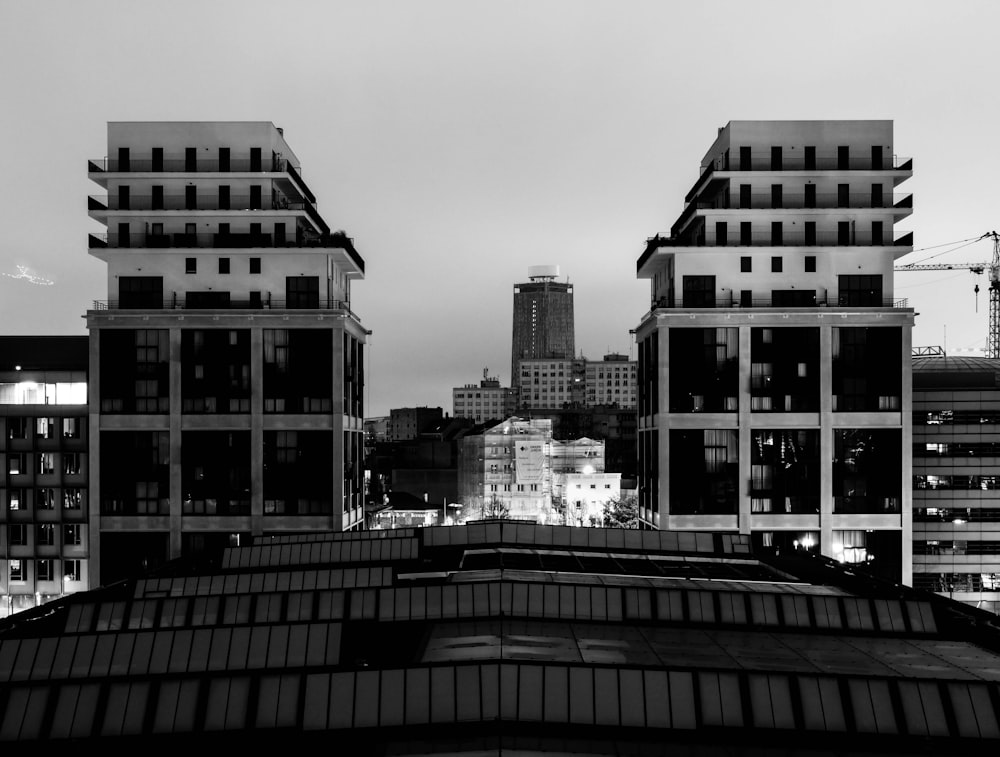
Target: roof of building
point(955, 371)
point(507, 638)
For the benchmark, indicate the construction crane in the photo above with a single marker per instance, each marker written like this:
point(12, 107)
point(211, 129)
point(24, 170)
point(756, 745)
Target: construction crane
point(993, 334)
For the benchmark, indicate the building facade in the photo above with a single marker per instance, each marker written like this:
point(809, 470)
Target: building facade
point(542, 318)
point(483, 402)
point(406, 423)
point(611, 382)
point(226, 366)
point(956, 481)
point(44, 449)
point(774, 363)
point(547, 384)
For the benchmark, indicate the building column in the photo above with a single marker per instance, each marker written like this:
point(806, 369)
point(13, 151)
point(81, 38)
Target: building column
point(826, 444)
point(744, 430)
point(906, 405)
point(93, 499)
point(176, 518)
point(256, 430)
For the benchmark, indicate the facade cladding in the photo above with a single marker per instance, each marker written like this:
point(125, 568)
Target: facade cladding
point(543, 319)
point(774, 364)
point(43, 469)
point(956, 483)
point(226, 366)
point(506, 638)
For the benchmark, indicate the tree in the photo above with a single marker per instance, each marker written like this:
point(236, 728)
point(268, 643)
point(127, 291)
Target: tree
point(494, 508)
point(621, 512)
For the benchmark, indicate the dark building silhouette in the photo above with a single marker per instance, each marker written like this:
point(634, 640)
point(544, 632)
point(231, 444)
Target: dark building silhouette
point(543, 318)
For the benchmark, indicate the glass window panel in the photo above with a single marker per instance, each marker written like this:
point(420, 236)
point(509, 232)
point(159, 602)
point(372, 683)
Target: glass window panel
point(827, 612)
point(489, 686)
point(316, 705)
point(205, 611)
point(200, 646)
point(467, 690)
point(114, 712)
point(682, 700)
point(257, 657)
point(606, 694)
point(985, 714)
point(418, 603)
point(66, 701)
point(443, 692)
point(481, 600)
point(764, 609)
point(508, 692)
point(449, 601)
point(401, 609)
point(556, 690)
point(86, 706)
point(60, 666)
point(631, 694)
point(530, 689)
point(102, 656)
point(180, 652)
point(239, 650)
point(391, 698)
point(278, 647)
point(861, 704)
point(267, 702)
point(13, 714)
point(386, 604)
point(298, 638)
point(859, 614)
point(417, 696)
point(550, 603)
point(519, 600)
point(331, 605)
point(581, 690)
point(84, 655)
point(536, 601)
point(342, 700)
point(796, 610)
point(25, 659)
point(657, 698)
point(581, 599)
point(123, 654)
point(701, 609)
point(218, 652)
point(142, 654)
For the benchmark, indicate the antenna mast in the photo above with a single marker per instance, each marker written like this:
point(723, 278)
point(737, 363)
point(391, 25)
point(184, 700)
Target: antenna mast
point(993, 340)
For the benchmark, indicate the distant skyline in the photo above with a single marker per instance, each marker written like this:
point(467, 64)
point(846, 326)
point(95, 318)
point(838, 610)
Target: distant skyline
point(459, 142)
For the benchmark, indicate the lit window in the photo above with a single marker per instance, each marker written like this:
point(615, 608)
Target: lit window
point(72, 570)
point(16, 570)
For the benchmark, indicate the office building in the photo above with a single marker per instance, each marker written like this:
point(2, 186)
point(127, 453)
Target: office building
point(505, 639)
point(543, 318)
point(483, 402)
point(549, 384)
point(44, 435)
point(956, 482)
point(611, 382)
point(226, 365)
point(774, 362)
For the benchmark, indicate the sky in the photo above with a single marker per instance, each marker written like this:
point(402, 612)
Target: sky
point(459, 142)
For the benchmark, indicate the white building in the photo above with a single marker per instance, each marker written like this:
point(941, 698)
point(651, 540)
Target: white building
point(774, 363)
point(611, 381)
point(482, 402)
point(226, 367)
point(546, 384)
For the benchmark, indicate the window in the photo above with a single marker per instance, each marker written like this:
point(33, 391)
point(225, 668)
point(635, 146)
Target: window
point(43, 569)
point(810, 264)
point(72, 463)
point(45, 463)
point(17, 535)
point(72, 570)
point(16, 570)
point(17, 428)
point(45, 499)
point(45, 428)
point(254, 265)
point(224, 197)
point(45, 533)
point(777, 236)
point(776, 264)
point(72, 535)
point(223, 265)
point(190, 265)
point(71, 428)
point(721, 233)
point(72, 499)
point(810, 234)
point(745, 264)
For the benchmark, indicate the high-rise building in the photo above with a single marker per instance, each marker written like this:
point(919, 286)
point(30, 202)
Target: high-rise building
point(543, 318)
point(44, 507)
point(956, 483)
point(774, 363)
point(226, 366)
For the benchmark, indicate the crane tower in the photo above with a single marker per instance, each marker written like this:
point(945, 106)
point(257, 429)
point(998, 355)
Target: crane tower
point(993, 340)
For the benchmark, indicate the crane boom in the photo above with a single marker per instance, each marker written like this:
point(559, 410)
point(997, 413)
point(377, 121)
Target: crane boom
point(974, 267)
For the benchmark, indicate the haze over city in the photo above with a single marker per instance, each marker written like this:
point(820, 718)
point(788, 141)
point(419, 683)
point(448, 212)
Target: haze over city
point(459, 143)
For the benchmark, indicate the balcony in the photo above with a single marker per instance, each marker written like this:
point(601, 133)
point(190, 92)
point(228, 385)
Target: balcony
point(781, 302)
point(824, 160)
point(801, 201)
point(222, 302)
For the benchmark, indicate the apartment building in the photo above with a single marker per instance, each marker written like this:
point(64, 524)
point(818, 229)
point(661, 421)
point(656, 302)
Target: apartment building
point(226, 365)
point(956, 482)
point(774, 363)
point(482, 402)
point(43, 470)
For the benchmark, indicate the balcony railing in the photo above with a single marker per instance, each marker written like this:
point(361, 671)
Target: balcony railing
point(180, 302)
point(800, 201)
point(786, 238)
point(795, 160)
point(181, 165)
point(783, 302)
point(202, 202)
point(214, 240)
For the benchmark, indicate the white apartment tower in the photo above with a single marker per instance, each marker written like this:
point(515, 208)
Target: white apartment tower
point(774, 390)
point(226, 366)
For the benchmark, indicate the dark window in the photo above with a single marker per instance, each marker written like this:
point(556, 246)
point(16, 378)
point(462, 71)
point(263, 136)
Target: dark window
point(255, 159)
point(699, 291)
point(745, 164)
point(810, 233)
point(157, 197)
point(775, 158)
point(877, 157)
point(721, 233)
point(124, 238)
point(745, 196)
point(140, 291)
point(190, 158)
point(877, 201)
point(203, 300)
point(810, 264)
point(191, 197)
point(223, 265)
point(843, 195)
point(776, 233)
point(843, 232)
point(810, 158)
point(255, 265)
point(255, 203)
point(862, 291)
point(302, 291)
point(123, 159)
point(223, 158)
point(224, 197)
point(843, 157)
point(810, 199)
point(279, 235)
point(746, 233)
point(157, 230)
point(123, 198)
point(746, 298)
point(746, 265)
point(255, 301)
point(793, 298)
point(776, 195)
point(877, 233)
point(157, 158)
point(190, 265)
point(776, 264)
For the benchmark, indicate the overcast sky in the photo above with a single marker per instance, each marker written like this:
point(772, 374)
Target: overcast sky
point(460, 142)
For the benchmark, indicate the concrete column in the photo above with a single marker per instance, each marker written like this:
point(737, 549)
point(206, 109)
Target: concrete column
point(256, 430)
point(906, 413)
point(745, 421)
point(94, 462)
point(176, 492)
point(826, 437)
